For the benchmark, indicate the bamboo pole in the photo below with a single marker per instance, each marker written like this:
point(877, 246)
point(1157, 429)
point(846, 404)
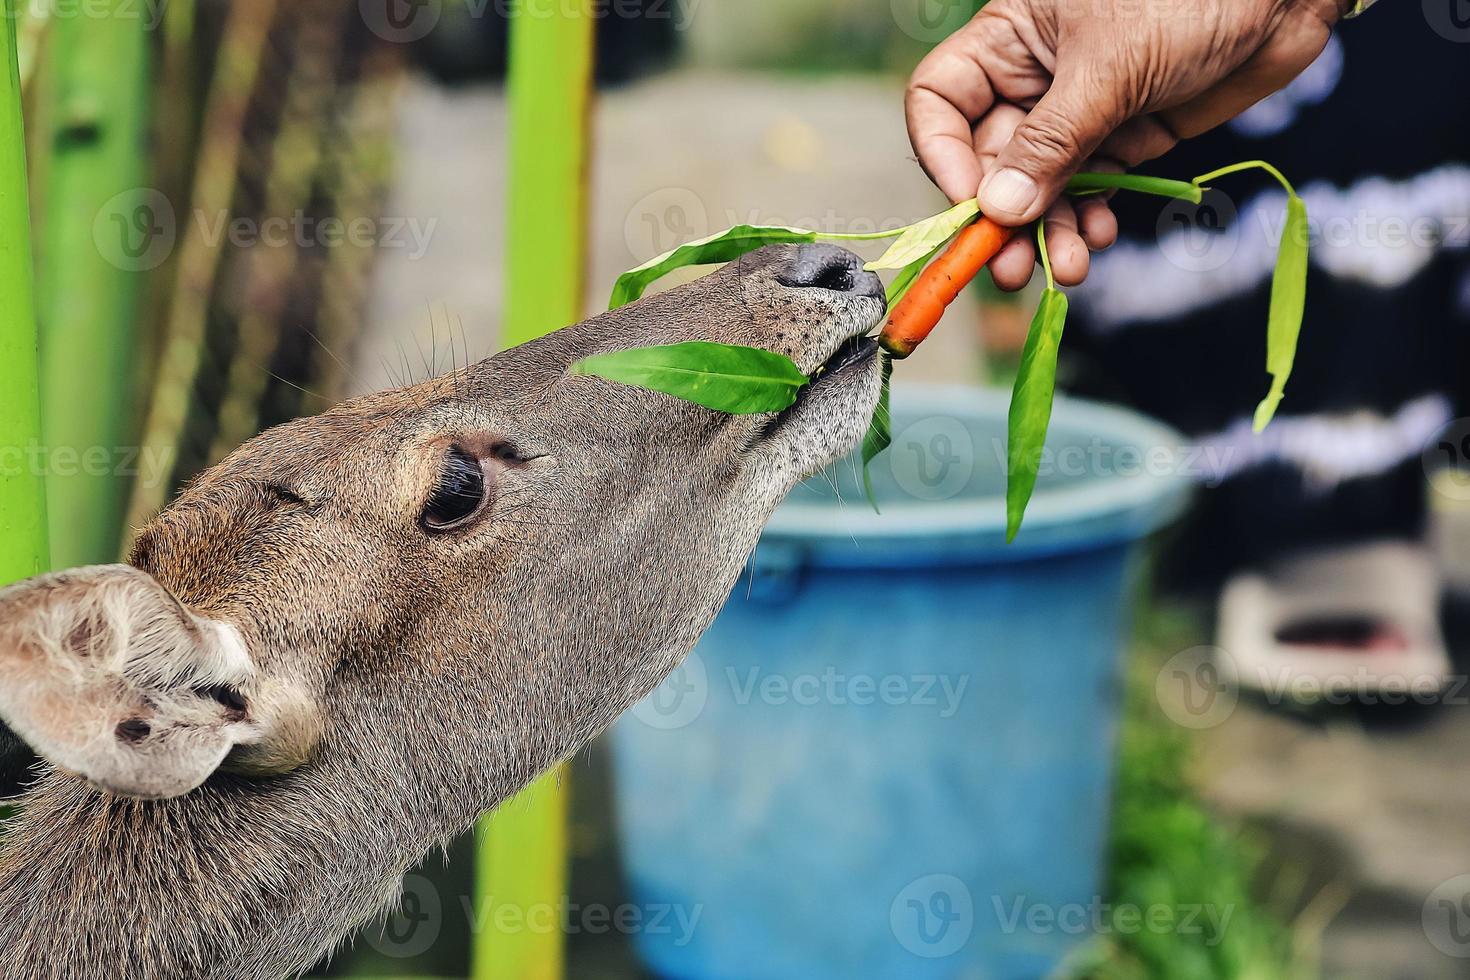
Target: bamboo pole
point(358, 165)
point(91, 259)
point(295, 156)
point(522, 856)
point(237, 69)
point(23, 546)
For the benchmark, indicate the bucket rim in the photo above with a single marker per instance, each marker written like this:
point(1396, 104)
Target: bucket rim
point(1098, 509)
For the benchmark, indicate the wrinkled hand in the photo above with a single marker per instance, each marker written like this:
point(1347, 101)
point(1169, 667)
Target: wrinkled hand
point(1031, 91)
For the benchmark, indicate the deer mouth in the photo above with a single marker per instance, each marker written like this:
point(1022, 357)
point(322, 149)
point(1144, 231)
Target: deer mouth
point(852, 351)
point(831, 412)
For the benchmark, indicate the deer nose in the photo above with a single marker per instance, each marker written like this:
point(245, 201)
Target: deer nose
point(818, 265)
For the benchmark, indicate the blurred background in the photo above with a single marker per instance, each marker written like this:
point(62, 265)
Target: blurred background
point(1207, 718)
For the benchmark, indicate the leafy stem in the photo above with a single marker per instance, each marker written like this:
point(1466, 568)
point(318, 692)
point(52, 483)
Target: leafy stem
point(1051, 282)
point(869, 236)
point(1236, 168)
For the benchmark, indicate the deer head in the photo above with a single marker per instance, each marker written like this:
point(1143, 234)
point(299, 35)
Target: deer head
point(416, 602)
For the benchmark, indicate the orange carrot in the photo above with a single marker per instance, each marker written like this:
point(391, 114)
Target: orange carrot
point(912, 319)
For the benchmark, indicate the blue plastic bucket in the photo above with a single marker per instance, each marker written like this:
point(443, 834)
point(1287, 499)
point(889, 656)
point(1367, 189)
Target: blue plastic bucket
point(891, 754)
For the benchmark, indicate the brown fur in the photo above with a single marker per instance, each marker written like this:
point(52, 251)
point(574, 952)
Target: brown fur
point(398, 683)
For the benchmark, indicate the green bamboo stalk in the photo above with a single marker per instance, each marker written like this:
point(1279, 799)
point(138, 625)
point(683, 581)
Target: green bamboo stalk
point(175, 115)
point(236, 71)
point(357, 169)
point(522, 857)
point(23, 545)
point(33, 20)
point(91, 259)
point(295, 155)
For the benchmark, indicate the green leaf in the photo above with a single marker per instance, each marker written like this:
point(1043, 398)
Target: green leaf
point(1031, 399)
point(724, 247)
point(1288, 302)
point(924, 237)
point(908, 275)
point(1092, 183)
point(880, 432)
point(727, 378)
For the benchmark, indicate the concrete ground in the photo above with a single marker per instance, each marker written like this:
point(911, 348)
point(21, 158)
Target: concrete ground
point(677, 157)
point(1365, 813)
point(1364, 810)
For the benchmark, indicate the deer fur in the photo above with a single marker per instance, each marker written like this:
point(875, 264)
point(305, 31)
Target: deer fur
point(293, 690)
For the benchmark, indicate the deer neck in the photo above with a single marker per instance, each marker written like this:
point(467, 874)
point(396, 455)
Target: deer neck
point(238, 880)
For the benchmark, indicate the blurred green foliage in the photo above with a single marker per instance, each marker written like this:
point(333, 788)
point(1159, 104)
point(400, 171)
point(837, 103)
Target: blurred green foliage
point(1169, 852)
point(820, 35)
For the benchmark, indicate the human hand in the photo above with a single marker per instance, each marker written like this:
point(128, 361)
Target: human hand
point(1031, 91)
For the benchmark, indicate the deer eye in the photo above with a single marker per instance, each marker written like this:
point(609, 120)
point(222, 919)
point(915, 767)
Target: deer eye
point(459, 494)
point(509, 454)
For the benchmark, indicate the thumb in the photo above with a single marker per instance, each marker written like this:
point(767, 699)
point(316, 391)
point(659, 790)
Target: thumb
point(1031, 170)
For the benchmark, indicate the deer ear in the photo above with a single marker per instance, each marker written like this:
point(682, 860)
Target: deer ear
point(105, 674)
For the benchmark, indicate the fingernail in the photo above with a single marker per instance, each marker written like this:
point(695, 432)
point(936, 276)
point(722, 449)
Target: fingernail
point(1008, 191)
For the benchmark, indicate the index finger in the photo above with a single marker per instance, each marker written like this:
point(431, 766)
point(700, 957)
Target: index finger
point(948, 92)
